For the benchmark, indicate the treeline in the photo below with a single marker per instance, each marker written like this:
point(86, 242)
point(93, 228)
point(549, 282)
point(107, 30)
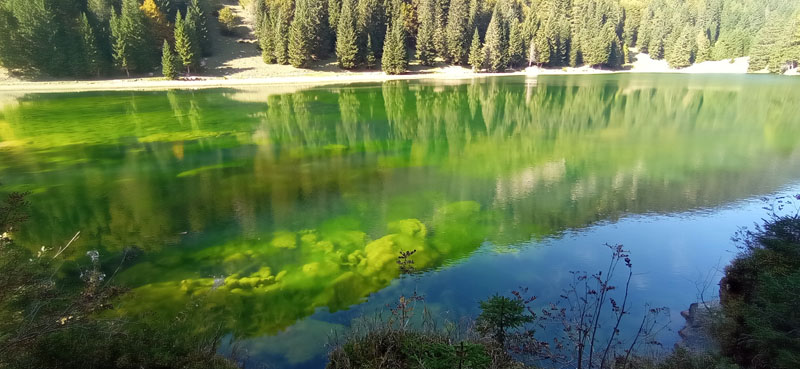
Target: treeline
point(494, 35)
point(100, 37)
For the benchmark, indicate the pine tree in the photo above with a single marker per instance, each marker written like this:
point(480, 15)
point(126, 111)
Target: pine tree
point(168, 62)
point(457, 31)
point(370, 58)
point(300, 36)
point(184, 44)
point(426, 49)
point(679, 54)
point(131, 46)
point(347, 36)
point(476, 55)
point(703, 47)
point(516, 46)
point(89, 49)
point(321, 40)
point(395, 57)
point(496, 45)
point(281, 32)
point(265, 39)
point(439, 36)
point(334, 10)
point(372, 21)
point(200, 27)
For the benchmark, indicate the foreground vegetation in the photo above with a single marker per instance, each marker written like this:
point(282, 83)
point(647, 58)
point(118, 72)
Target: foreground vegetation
point(47, 322)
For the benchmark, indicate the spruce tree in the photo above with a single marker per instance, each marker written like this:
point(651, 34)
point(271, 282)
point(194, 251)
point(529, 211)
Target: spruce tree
point(300, 36)
point(200, 27)
point(476, 56)
point(265, 39)
point(516, 46)
point(347, 36)
point(370, 58)
point(703, 45)
point(426, 48)
point(184, 43)
point(131, 39)
point(440, 35)
point(496, 45)
point(334, 10)
point(372, 21)
point(281, 32)
point(321, 38)
point(457, 31)
point(168, 62)
point(679, 55)
point(395, 57)
point(89, 49)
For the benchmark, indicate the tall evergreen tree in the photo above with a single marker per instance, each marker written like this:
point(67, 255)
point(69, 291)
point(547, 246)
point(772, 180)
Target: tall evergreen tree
point(169, 63)
point(301, 35)
point(370, 59)
point(184, 44)
point(457, 31)
point(516, 46)
point(679, 54)
point(334, 10)
point(703, 45)
point(347, 36)
point(266, 38)
point(372, 21)
point(280, 33)
point(89, 49)
point(426, 48)
point(395, 56)
point(440, 34)
point(476, 55)
point(200, 26)
point(496, 45)
point(132, 39)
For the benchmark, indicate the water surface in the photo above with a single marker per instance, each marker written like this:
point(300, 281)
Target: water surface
point(281, 210)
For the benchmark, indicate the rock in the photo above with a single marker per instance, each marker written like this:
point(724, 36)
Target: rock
point(695, 335)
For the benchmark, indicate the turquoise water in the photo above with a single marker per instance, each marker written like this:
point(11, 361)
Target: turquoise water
point(280, 210)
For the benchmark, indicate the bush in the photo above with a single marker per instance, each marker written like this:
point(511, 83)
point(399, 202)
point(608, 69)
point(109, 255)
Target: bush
point(227, 21)
point(761, 293)
point(47, 323)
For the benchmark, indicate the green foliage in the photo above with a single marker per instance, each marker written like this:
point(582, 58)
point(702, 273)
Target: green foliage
point(426, 48)
point(347, 36)
point(372, 20)
point(370, 60)
point(169, 63)
point(395, 56)
point(90, 50)
point(476, 55)
point(46, 324)
point(760, 293)
point(500, 314)
point(185, 44)
point(132, 43)
point(680, 54)
point(496, 44)
point(266, 37)
point(457, 32)
point(301, 35)
point(280, 37)
point(198, 13)
point(227, 21)
point(516, 46)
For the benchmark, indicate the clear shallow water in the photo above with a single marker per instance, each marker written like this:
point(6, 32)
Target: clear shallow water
point(298, 200)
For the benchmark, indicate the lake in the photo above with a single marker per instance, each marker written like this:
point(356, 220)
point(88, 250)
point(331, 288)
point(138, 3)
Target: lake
point(279, 212)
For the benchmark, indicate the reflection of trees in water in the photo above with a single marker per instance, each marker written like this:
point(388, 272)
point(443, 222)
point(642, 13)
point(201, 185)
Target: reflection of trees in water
point(140, 169)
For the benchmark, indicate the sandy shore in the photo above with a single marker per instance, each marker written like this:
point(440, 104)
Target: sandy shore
point(287, 75)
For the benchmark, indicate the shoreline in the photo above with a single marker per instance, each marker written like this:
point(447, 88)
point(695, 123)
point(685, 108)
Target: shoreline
point(642, 65)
